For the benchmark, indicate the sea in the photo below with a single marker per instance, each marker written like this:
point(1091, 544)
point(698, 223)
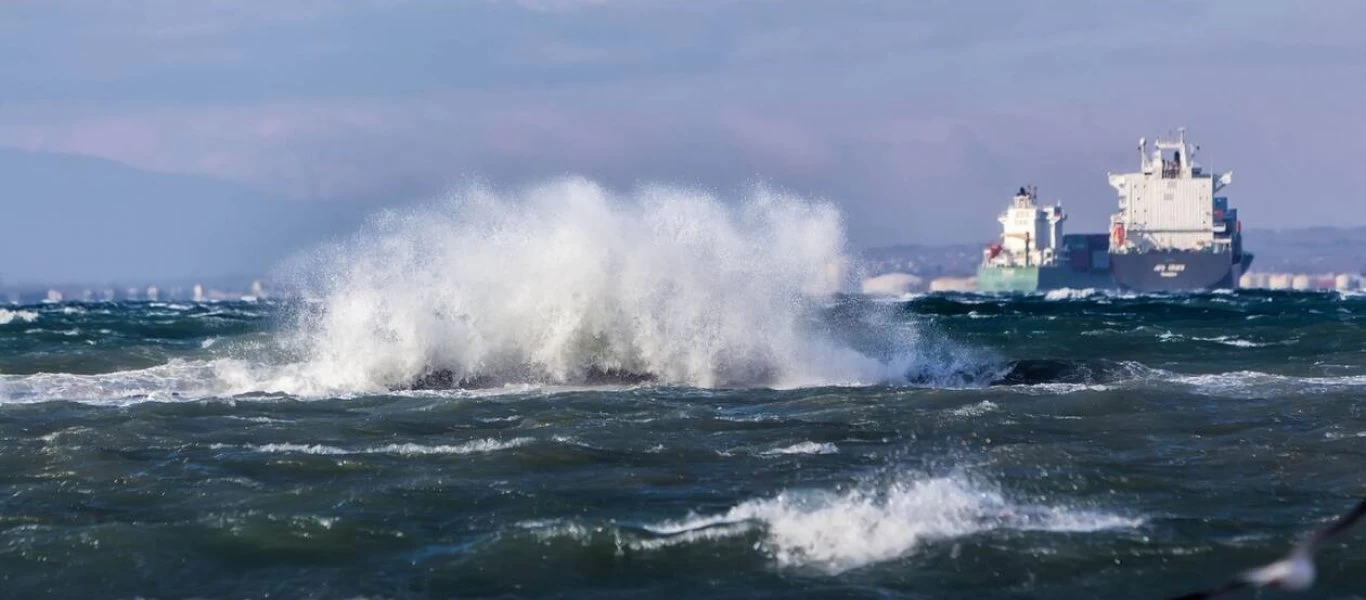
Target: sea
point(630, 405)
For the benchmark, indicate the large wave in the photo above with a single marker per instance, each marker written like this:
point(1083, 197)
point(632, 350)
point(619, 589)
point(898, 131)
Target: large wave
point(834, 531)
point(567, 281)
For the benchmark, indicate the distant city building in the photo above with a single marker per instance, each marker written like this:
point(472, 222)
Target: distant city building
point(198, 293)
point(1300, 281)
point(53, 296)
point(152, 293)
point(954, 284)
point(892, 284)
point(1254, 280)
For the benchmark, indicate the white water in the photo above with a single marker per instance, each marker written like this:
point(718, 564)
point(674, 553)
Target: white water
point(842, 529)
point(807, 447)
point(547, 285)
point(472, 447)
point(8, 316)
point(567, 277)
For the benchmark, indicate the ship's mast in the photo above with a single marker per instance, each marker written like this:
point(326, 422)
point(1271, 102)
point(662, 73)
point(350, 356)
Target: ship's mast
point(1143, 165)
point(1181, 165)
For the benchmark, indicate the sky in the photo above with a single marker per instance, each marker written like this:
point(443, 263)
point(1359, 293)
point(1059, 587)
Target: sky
point(919, 118)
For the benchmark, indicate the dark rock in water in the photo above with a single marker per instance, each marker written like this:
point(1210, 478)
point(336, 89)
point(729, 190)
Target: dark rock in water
point(1020, 372)
point(1085, 372)
point(445, 379)
point(596, 376)
point(434, 380)
point(1037, 371)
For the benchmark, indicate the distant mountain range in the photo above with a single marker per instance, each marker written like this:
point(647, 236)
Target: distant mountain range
point(1307, 250)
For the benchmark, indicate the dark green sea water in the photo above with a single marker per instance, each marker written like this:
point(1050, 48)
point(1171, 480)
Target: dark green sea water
point(1062, 448)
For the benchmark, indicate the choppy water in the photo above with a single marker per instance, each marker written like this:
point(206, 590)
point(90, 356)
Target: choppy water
point(1148, 446)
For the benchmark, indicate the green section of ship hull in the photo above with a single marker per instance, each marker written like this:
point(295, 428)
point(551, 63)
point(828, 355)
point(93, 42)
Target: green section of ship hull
point(1032, 279)
point(1007, 279)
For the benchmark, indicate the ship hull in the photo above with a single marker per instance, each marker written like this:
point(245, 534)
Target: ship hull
point(1176, 271)
point(1034, 279)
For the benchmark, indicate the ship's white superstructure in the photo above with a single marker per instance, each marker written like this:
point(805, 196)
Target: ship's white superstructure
point(1169, 203)
point(1031, 234)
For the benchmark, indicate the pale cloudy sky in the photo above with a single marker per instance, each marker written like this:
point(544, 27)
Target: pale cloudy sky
point(919, 117)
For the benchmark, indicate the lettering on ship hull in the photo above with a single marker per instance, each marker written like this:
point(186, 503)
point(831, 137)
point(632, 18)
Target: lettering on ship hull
point(1169, 269)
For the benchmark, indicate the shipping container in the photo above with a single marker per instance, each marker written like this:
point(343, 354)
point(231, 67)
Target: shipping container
point(1080, 259)
point(1100, 260)
point(1098, 241)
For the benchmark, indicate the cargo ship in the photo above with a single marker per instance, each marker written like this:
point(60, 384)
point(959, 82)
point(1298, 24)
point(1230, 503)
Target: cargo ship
point(1033, 254)
point(1171, 231)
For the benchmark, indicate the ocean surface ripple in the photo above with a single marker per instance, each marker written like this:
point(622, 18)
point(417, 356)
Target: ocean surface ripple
point(1066, 446)
point(568, 393)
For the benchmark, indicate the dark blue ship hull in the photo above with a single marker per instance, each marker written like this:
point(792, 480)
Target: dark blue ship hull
point(1177, 270)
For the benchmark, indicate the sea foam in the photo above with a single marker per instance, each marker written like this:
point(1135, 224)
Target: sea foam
point(8, 316)
point(552, 285)
point(837, 530)
point(567, 279)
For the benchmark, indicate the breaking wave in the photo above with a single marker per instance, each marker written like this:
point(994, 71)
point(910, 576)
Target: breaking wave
point(8, 316)
point(834, 531)
point(567, 283)
point(409, 449)
point(805, 448)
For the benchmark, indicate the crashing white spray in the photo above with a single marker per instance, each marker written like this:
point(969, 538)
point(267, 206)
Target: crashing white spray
point(568, 278)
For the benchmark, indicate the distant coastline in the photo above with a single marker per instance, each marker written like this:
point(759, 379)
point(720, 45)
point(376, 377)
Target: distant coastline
point(1300, 258)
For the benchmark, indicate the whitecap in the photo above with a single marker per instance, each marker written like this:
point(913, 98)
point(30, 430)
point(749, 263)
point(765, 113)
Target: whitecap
point(407, 449)
point(566, 277)
point(1070, 294)
point(8, 316)
point(1256, 382)
point(834, 531)
point(807, 447)
point(974, 410)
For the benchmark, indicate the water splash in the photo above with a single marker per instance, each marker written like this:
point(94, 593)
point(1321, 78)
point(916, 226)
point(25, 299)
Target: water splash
point(837, 530)
point(567, 280)
point(8, 316)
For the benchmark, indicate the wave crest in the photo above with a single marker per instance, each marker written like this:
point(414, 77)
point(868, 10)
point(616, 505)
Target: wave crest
point(834, 531)
point(8, 316)
point(567, 280)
